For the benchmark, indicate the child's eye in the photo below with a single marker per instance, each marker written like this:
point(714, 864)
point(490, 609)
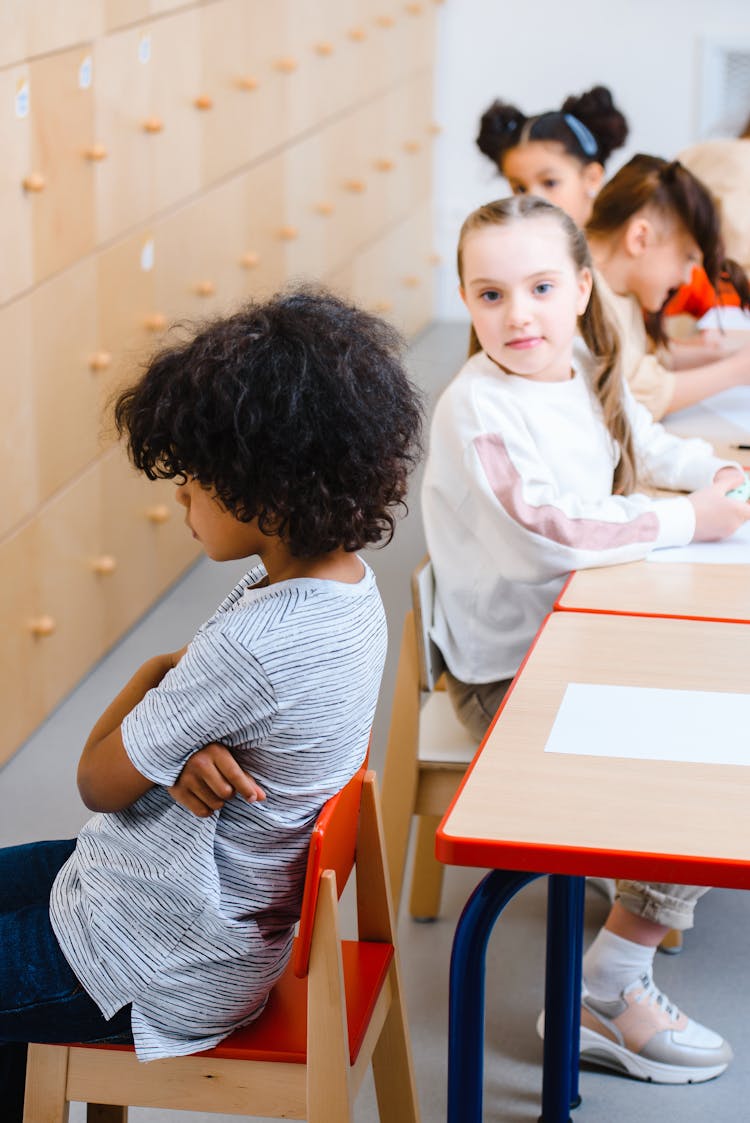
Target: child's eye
point(518, 189)
point(550, 184)
point(543, 288)
point(491, 296)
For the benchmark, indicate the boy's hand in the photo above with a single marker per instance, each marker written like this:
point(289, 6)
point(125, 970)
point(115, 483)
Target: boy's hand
point(210, 778)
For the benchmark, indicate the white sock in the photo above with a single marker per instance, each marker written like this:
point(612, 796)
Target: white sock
point(613, 963)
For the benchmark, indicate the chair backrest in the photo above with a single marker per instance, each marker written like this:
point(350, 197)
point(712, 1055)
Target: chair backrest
point(333, 846)
point(431, 662)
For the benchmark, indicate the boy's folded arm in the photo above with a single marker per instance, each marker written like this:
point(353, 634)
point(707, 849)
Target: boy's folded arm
point(107, 779)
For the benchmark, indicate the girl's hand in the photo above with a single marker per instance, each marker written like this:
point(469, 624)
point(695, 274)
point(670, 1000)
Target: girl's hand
point(210, 778)
point(730, 477)
point(716, 516)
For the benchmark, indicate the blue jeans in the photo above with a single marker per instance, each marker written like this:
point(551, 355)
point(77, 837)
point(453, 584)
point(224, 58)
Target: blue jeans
point(40, 997)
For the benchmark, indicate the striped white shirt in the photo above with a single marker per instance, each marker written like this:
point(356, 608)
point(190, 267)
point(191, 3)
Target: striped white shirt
point(191, 919)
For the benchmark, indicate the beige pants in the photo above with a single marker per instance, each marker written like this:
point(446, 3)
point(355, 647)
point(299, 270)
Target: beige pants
point(673, 905)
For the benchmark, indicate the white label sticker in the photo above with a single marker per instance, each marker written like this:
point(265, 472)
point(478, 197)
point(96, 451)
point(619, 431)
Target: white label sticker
point(86, 73)
point(144, 49)
point(22, 98)
point(147, 256)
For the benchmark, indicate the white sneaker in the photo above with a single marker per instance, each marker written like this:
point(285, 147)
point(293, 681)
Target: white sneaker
point(642, 1034)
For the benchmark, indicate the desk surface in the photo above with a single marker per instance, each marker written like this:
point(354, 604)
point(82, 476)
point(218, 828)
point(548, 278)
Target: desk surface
point(522, 808)
point(698, 421)
point(699, 592)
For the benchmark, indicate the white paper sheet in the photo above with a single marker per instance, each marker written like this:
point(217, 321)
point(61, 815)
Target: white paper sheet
point(730, 319)
point(646, 723)
point(730, 551)
point(733, 405)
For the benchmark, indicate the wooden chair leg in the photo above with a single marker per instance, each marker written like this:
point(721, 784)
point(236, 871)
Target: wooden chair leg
point(392, 1067)
point(329, 1093)
point(401, 769)
point(427, 874)
point(46, 1082)
point(106, 1113)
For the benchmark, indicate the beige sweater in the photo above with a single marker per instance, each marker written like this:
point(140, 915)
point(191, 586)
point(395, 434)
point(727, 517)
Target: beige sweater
point(650, 382)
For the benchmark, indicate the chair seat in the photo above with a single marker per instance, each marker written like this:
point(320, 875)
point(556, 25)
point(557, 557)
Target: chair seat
point(443, 740)
point(280, 1033)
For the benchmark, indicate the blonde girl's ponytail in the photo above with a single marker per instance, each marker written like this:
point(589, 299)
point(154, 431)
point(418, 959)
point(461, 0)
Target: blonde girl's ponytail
point(597, 329)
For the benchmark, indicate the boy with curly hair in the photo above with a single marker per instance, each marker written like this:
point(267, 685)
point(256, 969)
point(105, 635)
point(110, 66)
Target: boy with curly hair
point(289, 429)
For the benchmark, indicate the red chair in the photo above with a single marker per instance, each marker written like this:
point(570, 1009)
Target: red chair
point(338, 1007)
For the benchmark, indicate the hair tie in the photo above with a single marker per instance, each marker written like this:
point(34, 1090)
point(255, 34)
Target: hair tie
point(583, 135)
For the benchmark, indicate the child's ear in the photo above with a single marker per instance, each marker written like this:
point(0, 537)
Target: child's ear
point(462, 294)
point(638, 236)
point(585, 284)
point(593, 174)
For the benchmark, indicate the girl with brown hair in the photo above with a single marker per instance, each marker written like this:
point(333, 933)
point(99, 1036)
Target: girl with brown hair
point(650, 225)
point(535, 454)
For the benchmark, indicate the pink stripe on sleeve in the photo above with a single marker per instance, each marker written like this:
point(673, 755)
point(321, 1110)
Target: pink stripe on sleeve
point(549, 521)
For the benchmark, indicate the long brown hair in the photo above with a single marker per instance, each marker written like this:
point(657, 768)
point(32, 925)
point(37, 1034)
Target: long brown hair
point(596, 328)
point(675, 193)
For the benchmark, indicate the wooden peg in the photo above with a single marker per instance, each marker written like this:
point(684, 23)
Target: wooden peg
point(250, 260)
point(104, 565)
point(383, 306)
point(157, 321)
point(205, 288)
point(203, 101)
point(324, 49)
point(412, 146)
point(288, 233)
point(357, 34)
point(100, 360)
point(412, 281)
point(324, 208)
point(96, 153)
point(248, 82)
point(356, 186)
point(384, 164)
point(158, 514)
point(286, 65)
point(414, 9)
point(153, 125)
point(34, 182)
point(42, 626)
point(385, 21)
point(434, 129)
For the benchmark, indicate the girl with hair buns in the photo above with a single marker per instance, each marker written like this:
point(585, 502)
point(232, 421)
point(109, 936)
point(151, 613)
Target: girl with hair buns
point(536, 450)
point(559, 154)
point(650, 225)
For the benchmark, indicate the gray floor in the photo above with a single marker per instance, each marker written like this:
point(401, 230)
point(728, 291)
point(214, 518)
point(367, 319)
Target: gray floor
point(39, 800)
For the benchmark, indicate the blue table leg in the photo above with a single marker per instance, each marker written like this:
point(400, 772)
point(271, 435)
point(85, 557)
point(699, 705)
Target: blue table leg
point(466, 1013)
point(562, 998)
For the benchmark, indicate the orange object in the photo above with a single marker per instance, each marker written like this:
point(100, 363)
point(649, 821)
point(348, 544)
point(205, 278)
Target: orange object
point(697, 297)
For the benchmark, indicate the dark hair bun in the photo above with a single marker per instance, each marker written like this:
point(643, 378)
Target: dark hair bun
point(499, 129)
point(601, 116)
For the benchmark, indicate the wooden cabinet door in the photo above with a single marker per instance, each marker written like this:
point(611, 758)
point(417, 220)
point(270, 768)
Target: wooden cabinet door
point(66, 382)
point(16, 203)
point(18, 439)
point(54, 27)
point(62, 131)
point(71, 590)
point(176, 83)
point(129, 318)
point(20, 678)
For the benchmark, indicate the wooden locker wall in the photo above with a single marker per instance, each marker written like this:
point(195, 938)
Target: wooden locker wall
point(166, 160)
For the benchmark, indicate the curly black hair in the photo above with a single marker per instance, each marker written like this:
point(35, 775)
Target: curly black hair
point(297, 411)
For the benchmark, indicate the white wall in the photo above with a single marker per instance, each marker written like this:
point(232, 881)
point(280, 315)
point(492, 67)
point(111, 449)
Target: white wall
point(651, 54)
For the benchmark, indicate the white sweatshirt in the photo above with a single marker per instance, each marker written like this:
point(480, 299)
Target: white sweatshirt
point(518, 492)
